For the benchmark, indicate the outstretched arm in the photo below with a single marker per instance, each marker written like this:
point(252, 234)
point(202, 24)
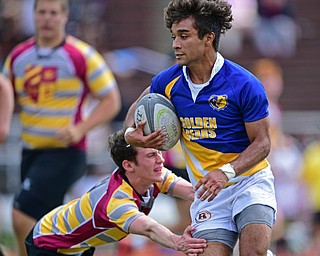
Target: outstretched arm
point(184, 190)
point(148, 227)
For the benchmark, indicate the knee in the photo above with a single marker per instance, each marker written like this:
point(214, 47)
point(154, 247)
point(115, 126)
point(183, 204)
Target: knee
point(257, 250)
point(17, 218)
point(21, 220)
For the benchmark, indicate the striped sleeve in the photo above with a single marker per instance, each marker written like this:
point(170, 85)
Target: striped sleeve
point(122, 209)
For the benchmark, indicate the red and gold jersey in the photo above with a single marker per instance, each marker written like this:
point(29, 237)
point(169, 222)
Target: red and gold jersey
point(51, 85)
point(103, 215)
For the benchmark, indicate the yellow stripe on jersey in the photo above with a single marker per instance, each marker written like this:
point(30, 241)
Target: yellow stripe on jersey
point(72, 219)
point(116, 233)
point(64, 84)
point(210, 160)
point(70, 251)
point(63, 93)
point(46, 223)
point(99, 82)
point(121, 221)
point(51, 104)
point(41, 141)
point(169, 87)
point(85, 206)
point(197, 175)
point(69, 85)
point(49, 122)
point(60, 220)
point(115, 203)
point(94, 62)
point(32, 73)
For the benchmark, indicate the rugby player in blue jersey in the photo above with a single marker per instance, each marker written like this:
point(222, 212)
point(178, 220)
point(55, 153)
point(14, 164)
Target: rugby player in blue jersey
point(223, 110)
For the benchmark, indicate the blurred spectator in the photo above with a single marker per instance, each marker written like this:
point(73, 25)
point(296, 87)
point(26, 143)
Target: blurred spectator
point(313, 247)
point(270, 73)
point(9, 27)
point(244, 14)
point(286, 159)
point(26, 24)
point(311, 173)
point(275, 33)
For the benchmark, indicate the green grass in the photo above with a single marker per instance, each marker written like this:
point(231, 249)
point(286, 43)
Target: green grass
point(7, 240)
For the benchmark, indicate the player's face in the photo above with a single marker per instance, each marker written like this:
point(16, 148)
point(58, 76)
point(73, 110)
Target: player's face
point(187, 46)
point(50, 20)
point(149, 164)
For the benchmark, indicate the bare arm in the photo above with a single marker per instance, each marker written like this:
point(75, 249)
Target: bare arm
point(6, 106)
point(259, 148)
point(184, 190)
point(148, 227)
point(105, 111)
point(136, 137)
point(129, 122)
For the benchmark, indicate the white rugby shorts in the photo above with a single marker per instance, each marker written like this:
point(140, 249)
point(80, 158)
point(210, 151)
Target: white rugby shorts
point(220, 212)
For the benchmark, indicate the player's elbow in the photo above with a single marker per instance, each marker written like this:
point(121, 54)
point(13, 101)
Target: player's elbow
point(117, 107)
point(148, 230)
point(144, 226)
point(115, 103)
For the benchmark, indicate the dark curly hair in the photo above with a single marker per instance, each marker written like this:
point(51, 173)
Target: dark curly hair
point(209, 16)
point(120, 150)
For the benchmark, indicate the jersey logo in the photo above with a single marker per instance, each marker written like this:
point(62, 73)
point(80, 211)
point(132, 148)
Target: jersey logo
point(218, 102)
point(203, 216)
point(39, 82)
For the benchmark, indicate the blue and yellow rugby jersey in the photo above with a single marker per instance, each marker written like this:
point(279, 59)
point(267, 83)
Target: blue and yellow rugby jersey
point(51, 86)
point(213, 129)
point(103, 215)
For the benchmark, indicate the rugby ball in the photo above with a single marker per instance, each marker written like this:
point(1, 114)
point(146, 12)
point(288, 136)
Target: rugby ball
point(158, 112)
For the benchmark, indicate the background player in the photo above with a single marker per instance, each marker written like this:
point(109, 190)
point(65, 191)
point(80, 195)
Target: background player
point(52, 74)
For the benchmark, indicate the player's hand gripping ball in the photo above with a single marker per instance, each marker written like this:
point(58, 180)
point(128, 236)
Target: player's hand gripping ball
point(159, 112)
